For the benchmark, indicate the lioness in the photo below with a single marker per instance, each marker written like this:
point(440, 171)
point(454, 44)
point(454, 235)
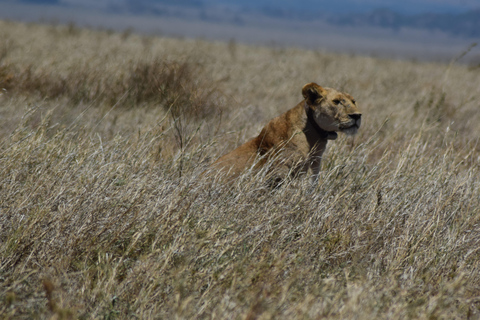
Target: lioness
point(296, 140)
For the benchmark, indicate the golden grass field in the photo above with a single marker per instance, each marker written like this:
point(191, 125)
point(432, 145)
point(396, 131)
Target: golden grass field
point(104, 213)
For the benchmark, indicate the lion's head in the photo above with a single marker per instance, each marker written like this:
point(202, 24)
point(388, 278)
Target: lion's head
point(332, 110)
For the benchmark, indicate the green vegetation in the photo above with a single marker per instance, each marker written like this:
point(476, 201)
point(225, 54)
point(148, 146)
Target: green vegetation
point(104, 214)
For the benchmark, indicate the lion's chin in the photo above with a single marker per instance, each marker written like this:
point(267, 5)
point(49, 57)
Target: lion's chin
point(350, 130)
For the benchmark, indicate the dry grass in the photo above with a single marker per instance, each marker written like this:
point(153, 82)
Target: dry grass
point(103, 213)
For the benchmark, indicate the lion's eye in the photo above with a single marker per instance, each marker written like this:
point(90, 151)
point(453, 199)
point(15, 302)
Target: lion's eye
point(336, 101)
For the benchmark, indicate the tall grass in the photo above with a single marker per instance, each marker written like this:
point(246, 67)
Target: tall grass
point(168, 83)
point(104, 213)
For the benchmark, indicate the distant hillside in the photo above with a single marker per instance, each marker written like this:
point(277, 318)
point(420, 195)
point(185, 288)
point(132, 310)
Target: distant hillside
point(465, 24)
point(423, 15)
point(42, 1)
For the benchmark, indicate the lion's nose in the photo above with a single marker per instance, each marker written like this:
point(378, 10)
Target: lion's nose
point(355, 116)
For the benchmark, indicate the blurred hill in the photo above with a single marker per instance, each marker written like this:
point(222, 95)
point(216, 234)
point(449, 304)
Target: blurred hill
point(419, 30)
point(465, 24)
point(446, 17)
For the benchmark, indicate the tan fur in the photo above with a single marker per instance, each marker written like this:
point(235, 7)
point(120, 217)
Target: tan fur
point(291, 142)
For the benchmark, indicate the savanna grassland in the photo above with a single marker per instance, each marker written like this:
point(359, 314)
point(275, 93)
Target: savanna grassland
point(104, 213)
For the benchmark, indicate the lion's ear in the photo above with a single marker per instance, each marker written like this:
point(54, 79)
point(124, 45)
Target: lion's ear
point(313, 93)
